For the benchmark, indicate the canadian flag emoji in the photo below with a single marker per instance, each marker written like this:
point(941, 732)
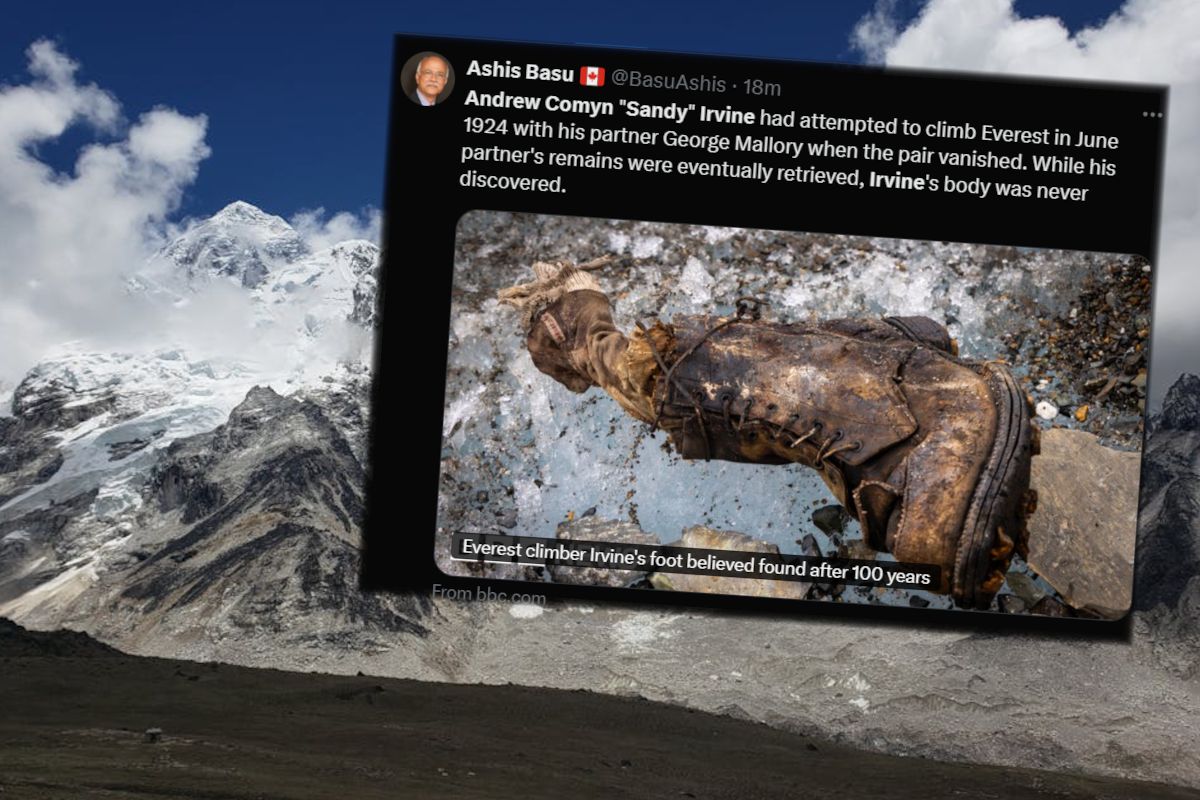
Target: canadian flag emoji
point(591, 76)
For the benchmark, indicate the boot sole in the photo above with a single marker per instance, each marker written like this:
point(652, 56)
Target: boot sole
point(995, 520)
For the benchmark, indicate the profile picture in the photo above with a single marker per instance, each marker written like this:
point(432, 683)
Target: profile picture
point(427, 78)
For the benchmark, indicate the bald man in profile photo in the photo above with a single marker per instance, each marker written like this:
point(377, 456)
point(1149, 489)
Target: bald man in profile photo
point(431, 75)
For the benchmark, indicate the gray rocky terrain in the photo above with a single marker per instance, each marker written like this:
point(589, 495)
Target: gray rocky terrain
point(83, 720)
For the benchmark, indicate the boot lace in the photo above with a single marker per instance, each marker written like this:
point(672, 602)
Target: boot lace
point(830, 447)
point(748, 309)
point(827, 449)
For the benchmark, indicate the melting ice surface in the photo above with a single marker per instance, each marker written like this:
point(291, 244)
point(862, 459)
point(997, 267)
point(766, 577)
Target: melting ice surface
point(537, 452)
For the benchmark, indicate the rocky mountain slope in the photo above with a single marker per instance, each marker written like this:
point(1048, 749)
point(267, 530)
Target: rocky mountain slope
point(1168, 566)
point(174, 503)
point(1169, 545)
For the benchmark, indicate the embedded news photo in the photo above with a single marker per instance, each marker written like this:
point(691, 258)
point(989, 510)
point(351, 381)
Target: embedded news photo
point(797, 415)
point(792, 338)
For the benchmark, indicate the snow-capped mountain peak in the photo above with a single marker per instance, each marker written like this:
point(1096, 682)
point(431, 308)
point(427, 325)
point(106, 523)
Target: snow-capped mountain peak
point(240, 242)
point(237, 301)
point(288, 292)
point(241, 211)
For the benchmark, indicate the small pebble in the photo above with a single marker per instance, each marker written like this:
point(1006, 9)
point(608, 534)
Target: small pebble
point(1047, 410)
point(808, 545)
point(1011, 604)
point(1081, 413)
point(831, 519)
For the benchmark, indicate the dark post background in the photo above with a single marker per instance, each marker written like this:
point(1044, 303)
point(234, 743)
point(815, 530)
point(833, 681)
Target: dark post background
point(424, 200)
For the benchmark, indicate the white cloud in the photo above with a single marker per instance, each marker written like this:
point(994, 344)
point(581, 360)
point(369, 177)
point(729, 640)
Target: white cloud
point(166, 139)
point(319, 232)
point(69, 238)
point(876, 31)
point(1154, 41)
point(45, 107)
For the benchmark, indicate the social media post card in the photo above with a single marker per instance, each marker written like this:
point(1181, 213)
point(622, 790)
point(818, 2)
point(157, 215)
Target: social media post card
point(722, 331)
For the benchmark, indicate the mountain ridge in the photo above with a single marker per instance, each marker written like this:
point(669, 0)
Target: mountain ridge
point(152, 484)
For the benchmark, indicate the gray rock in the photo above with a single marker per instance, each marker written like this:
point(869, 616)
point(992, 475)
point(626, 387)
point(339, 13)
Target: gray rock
point(809, 546)
point(1011, 604)
point(1081, 539)
point(709, 539)
point(594, 529)
point(1023, 589)
point(831, 519)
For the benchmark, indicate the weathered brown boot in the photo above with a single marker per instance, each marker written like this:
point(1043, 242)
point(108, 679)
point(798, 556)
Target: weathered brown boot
point(930, 452)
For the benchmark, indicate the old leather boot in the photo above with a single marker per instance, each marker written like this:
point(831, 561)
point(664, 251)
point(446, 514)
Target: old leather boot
point(929, 452)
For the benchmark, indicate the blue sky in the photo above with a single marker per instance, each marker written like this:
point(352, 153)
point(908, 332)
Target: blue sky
point(296, 93)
